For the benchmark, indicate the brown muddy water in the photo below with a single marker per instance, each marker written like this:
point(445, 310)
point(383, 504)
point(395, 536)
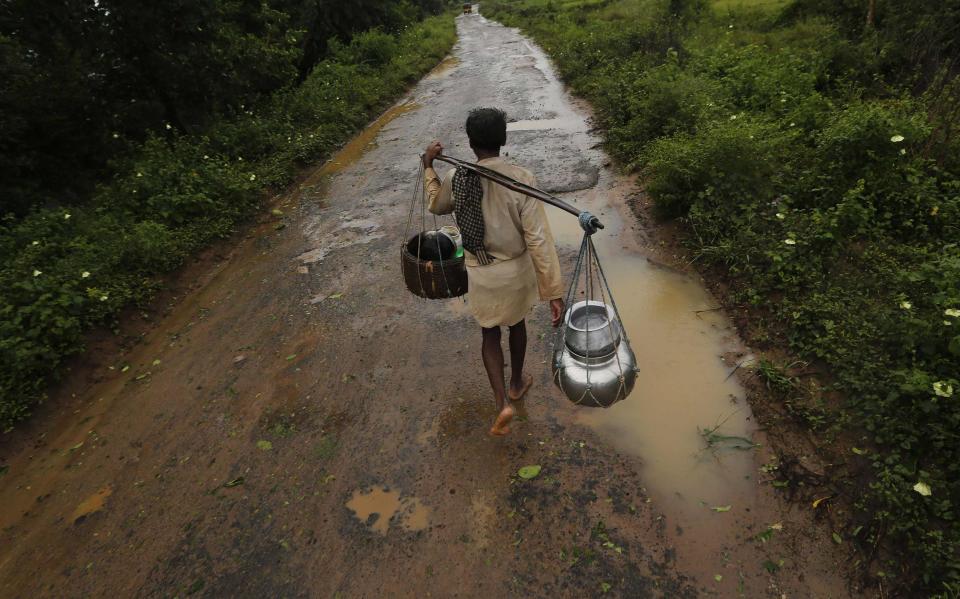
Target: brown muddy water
point(379, 508)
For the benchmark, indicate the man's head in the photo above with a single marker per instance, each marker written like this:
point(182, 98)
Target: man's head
point(487, 130)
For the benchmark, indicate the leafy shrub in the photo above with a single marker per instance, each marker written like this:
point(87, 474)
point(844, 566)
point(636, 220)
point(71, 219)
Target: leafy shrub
point(797, 150)
point(65, 270)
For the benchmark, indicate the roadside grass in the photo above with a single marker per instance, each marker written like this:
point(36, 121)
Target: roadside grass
point(815, 166)
point(63, 271)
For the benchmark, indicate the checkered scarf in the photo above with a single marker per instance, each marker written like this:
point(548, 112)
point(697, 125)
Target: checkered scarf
point(467, 196)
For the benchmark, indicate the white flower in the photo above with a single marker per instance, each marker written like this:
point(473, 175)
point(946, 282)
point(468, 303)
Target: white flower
point(139, 174)
point(84, 275)
point(783, 100)
point(943, 389)
point(923, 489)
point(240, 158)
point(103, 298)
point(906, 305)
point(66, 216)
point(253, 177)
point(793, 124)
point(37, 273)
point(955, 312)
point(790, 241)
point(169, 127)
point(896, 139)
point(35, 243)
point(733, 117)
point(205, 157)
point(781, 215)
point(116, 136)
point(903, 151)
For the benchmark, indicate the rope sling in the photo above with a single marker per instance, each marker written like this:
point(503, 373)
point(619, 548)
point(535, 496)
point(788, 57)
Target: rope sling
point(588, 378)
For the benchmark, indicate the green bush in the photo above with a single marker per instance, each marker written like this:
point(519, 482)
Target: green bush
point(797, 149)
point(64, 270)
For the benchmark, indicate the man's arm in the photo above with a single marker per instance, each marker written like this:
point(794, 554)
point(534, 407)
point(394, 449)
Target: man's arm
point(439, 194)
point(543, 252)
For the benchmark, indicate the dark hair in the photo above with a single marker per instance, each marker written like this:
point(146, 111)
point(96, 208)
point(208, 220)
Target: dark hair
point(487, 128)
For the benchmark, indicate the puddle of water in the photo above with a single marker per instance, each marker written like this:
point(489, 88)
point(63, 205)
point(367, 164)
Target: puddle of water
point(349, 232)
point(444, 68)
point(91, 504)
point(683, 384)
point(386, 504)
point(358, 146)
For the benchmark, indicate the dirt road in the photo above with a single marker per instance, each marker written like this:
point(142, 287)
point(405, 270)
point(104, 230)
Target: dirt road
point(299, 425)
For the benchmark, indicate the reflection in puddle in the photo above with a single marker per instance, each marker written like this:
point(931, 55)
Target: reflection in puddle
point(91, 504)
point(379, 506)
point(683, 384)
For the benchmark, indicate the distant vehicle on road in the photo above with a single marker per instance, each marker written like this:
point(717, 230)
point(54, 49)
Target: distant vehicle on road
point(467, 9)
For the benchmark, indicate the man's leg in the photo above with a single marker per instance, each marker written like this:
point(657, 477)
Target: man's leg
point(519, 383)
point(493, 362)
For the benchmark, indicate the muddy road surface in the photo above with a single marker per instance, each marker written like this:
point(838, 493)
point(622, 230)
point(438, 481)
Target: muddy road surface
point(299, 425)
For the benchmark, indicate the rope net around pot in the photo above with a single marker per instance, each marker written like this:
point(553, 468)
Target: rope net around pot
point(439, 278)
point(593, 363)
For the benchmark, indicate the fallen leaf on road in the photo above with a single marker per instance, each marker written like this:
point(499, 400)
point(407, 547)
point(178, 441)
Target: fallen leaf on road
point(718, 577)
point(156, 362)
point(234, 483)
point(721, 508)
point(837, 538)
point(817, 502)
point(335, 296)
point(291, 356)
point(276, 212)
point(264, 445)
point(528, 472)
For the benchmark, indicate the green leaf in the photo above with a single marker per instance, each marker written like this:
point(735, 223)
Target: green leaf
point(954, 346)
point(721, 508)
point(718, 577)
point(528, 472)
point(772, 566)
point(264, 445)
point(837, 538)
point(234, 483)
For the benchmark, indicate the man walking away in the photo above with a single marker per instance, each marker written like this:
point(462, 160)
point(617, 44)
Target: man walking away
point(509, 252)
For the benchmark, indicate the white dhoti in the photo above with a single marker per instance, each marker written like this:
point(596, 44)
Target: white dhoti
point(502, 293)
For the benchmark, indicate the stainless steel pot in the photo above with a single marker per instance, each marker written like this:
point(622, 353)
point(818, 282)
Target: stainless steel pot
point(592, 329)
point(595, 382)
point(609, 373)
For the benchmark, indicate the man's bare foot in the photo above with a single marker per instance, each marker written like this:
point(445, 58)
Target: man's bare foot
point(500, 426)
point(517, 394)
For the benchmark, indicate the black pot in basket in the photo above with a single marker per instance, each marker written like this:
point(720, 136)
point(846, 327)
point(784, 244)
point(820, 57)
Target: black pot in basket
point(431, 268)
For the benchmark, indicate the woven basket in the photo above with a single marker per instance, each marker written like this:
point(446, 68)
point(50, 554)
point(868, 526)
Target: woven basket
point(433, 279)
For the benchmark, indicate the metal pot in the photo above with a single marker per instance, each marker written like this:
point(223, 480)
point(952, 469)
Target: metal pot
point(595, 382)
point(592, 329)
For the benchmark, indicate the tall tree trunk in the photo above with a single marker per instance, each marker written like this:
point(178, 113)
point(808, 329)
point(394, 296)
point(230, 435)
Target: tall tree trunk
point(871, 13)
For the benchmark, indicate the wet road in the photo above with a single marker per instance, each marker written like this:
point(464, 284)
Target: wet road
point(299, 425)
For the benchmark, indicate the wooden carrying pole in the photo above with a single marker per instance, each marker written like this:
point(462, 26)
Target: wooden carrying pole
point(519, 187)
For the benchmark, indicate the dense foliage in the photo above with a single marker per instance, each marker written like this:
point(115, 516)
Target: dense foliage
point(70, 261)
point(86, 80)
point(812, 149)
